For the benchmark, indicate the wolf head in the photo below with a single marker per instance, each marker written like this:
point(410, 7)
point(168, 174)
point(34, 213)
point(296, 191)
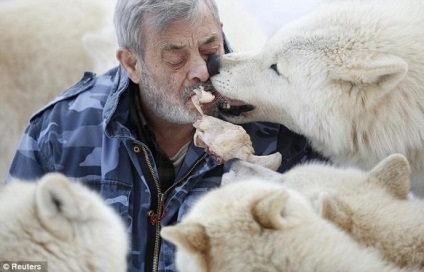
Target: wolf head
point(347, 76)
point(63, 223)
point(335, 192)
point(260, 225)
point(388, 180)
point(229, 227)
point(372, 206)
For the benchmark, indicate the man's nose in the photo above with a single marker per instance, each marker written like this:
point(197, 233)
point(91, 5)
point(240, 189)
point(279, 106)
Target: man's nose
point(213, 65)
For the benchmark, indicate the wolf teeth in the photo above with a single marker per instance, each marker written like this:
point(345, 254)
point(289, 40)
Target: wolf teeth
point(225, 105)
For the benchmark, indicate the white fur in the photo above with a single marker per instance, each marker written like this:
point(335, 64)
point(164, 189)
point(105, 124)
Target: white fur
point(373, 207)
point(63, 223)
point(254, 225)
point(350, 81)
point(46, 45)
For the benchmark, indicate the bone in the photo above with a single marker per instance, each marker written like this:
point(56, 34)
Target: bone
point(201, 97)
point(224, 140)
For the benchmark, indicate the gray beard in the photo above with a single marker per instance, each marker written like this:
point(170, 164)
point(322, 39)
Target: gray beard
point(163, 106)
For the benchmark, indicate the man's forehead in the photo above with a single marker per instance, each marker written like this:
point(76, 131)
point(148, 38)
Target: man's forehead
point(176, 44)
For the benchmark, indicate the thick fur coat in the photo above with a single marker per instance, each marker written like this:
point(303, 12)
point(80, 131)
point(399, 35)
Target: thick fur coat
point(348, 76)
point(372, 206)
point(255, 225)
point(62, 223)
point(46, 45)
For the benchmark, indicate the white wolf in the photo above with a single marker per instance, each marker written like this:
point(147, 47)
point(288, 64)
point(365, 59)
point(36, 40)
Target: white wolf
point(348, 76)
point(373, 207)
point(61, 223)
point(45, 47)
point(255, 225)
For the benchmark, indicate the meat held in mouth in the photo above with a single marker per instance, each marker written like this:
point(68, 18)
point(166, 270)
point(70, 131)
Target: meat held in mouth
point(201, 97)
point(224, 140)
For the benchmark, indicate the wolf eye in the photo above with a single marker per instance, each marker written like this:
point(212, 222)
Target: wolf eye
point(275, 68)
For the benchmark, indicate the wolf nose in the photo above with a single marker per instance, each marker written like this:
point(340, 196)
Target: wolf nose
point(213, 65)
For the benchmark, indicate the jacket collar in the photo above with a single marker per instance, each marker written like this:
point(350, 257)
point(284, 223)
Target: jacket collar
point(119, 86)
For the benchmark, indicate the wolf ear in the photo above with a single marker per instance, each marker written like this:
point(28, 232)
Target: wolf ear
point(334, 210)
point(191, 237)
point(384, 71)
point(57, 205)
point(272, 211)
point(393, 173)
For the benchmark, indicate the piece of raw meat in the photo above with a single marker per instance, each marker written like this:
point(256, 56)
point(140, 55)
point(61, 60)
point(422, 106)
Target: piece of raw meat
point(225, 140)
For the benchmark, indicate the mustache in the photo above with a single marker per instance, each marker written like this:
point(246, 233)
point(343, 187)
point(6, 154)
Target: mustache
point(207, 86)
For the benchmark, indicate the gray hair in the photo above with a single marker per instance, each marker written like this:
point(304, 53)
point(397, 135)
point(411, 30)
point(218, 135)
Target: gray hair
point(130, 16)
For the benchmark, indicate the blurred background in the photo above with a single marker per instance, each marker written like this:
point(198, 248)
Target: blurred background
point(46, 45)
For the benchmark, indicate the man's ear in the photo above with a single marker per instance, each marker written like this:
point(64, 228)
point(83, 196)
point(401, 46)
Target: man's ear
point(130, 63)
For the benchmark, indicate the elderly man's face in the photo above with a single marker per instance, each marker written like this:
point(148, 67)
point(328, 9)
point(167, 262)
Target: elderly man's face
point(175, 62)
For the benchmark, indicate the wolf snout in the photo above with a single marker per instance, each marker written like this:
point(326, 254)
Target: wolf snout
point(213, 65)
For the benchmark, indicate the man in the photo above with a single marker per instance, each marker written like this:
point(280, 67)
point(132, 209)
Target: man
point(128, 133)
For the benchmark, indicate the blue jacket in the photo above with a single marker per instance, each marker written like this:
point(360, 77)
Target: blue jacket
point(84, 134)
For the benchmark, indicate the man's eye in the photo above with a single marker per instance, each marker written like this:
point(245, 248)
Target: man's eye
point(175, 64)
point(275, 68)
point(173, 58)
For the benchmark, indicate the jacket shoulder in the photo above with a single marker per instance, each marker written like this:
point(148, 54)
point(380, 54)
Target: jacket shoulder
point(89, 83)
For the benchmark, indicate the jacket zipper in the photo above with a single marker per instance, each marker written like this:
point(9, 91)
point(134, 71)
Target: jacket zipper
point(155, 218)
